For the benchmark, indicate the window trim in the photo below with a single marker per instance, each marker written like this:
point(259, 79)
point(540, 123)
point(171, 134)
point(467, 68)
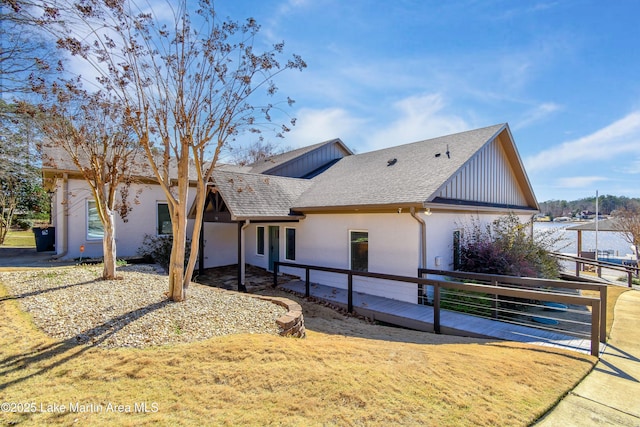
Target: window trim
point(158, 227)
point(260, 248)
point(88, 238)
point(286, 243)
point(350, 248)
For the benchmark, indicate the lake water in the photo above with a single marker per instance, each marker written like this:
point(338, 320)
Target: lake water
point(607, 240)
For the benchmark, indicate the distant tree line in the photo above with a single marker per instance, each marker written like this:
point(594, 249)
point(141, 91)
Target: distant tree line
point(607, 205)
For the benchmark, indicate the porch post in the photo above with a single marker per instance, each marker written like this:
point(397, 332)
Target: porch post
point(579, 243)
point(240, 256)
point(241, 266)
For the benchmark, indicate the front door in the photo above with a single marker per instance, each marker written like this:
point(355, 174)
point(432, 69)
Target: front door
point(274, 245)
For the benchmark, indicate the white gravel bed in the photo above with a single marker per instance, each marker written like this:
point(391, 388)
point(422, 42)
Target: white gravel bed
point(75, 304)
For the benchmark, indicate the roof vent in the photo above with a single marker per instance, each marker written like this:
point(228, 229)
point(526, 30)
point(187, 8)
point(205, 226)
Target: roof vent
point(391, 162)
point(437, 154)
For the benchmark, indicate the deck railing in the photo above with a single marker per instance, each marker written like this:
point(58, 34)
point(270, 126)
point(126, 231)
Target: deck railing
point(598, 265)
point(546, 285)
point(438, 284)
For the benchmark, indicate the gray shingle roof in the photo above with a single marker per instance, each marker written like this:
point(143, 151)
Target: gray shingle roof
point(413, 178)
point(56, 159)
point(250, 196)
point(405, 175)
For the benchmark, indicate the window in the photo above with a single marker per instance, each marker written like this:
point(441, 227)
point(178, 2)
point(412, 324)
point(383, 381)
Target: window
point(164, 219)
point(456, 249)
point(290, 244)
point(95, 229)
point(260, 240)
point(359, 250)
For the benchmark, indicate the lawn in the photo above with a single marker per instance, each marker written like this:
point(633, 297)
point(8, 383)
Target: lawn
point(613, 292)
point(346, 372)
point(20, 238)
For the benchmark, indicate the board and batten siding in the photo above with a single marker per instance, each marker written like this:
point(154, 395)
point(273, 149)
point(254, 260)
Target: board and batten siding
point(487, 178)
point(309, 162)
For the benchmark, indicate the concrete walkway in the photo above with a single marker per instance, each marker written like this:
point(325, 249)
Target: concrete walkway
point(610, 394)
point(20, 257)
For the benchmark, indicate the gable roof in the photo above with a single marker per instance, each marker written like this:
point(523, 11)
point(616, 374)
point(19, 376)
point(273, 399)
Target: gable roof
point(250, 195)
point(413, 174)
point(272, 164)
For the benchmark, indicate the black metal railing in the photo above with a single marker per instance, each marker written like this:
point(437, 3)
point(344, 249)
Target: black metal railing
point(497, 288)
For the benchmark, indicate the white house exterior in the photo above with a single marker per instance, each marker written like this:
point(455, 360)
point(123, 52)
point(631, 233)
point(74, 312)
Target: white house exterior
point(388, 211)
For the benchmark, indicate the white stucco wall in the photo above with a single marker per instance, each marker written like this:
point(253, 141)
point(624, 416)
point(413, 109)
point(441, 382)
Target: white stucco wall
point(323, 240)
point(394, 247)
point(221, 244)
point(129, 235)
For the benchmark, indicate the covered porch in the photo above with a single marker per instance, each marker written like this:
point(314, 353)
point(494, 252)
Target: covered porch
point(233, 203)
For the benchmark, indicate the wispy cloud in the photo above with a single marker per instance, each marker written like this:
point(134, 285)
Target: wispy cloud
point(632, 168)
point(536, 114)
point(314, 126)
point(580, 181)
point(289, 5)
point(418, 117)
point(620, 137)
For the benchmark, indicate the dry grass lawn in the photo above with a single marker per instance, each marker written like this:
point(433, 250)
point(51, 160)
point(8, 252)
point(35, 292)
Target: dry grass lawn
point(613, 292)
point(346, 372)
point(20, 238)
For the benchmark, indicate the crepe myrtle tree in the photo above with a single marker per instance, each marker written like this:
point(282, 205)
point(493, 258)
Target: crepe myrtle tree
point(90, 130)
point(628, 219)
point(188, 80)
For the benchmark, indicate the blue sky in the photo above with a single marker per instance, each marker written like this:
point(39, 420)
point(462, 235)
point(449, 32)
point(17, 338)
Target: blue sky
point(564, 74)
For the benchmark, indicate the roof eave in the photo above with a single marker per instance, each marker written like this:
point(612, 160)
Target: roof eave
point(363, 208)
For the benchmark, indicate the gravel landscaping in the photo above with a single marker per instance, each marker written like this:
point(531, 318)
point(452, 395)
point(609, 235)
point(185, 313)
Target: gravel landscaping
point(75, 305)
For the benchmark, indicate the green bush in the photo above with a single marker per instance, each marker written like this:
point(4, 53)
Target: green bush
point(157, 249)
point(23, 224)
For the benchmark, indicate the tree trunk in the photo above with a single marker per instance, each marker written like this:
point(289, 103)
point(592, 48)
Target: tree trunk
point(109, 245)
point(176, 264)
point(201, 194)
point(177, 277)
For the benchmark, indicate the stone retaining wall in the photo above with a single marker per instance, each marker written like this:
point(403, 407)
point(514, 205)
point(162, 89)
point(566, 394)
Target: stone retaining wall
point(291, 323)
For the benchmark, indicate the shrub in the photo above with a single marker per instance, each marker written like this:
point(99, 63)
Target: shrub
point(158, 249)
point(23, 224)
point(507, 247)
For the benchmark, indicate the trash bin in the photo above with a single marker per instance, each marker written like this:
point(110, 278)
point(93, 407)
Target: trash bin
point(45, 239)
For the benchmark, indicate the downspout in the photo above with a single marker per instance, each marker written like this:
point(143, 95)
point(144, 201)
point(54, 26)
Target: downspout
point(423, 238)
point(65, 217)
point(426, 290)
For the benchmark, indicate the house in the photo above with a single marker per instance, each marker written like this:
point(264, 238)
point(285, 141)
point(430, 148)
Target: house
point(389, 211)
